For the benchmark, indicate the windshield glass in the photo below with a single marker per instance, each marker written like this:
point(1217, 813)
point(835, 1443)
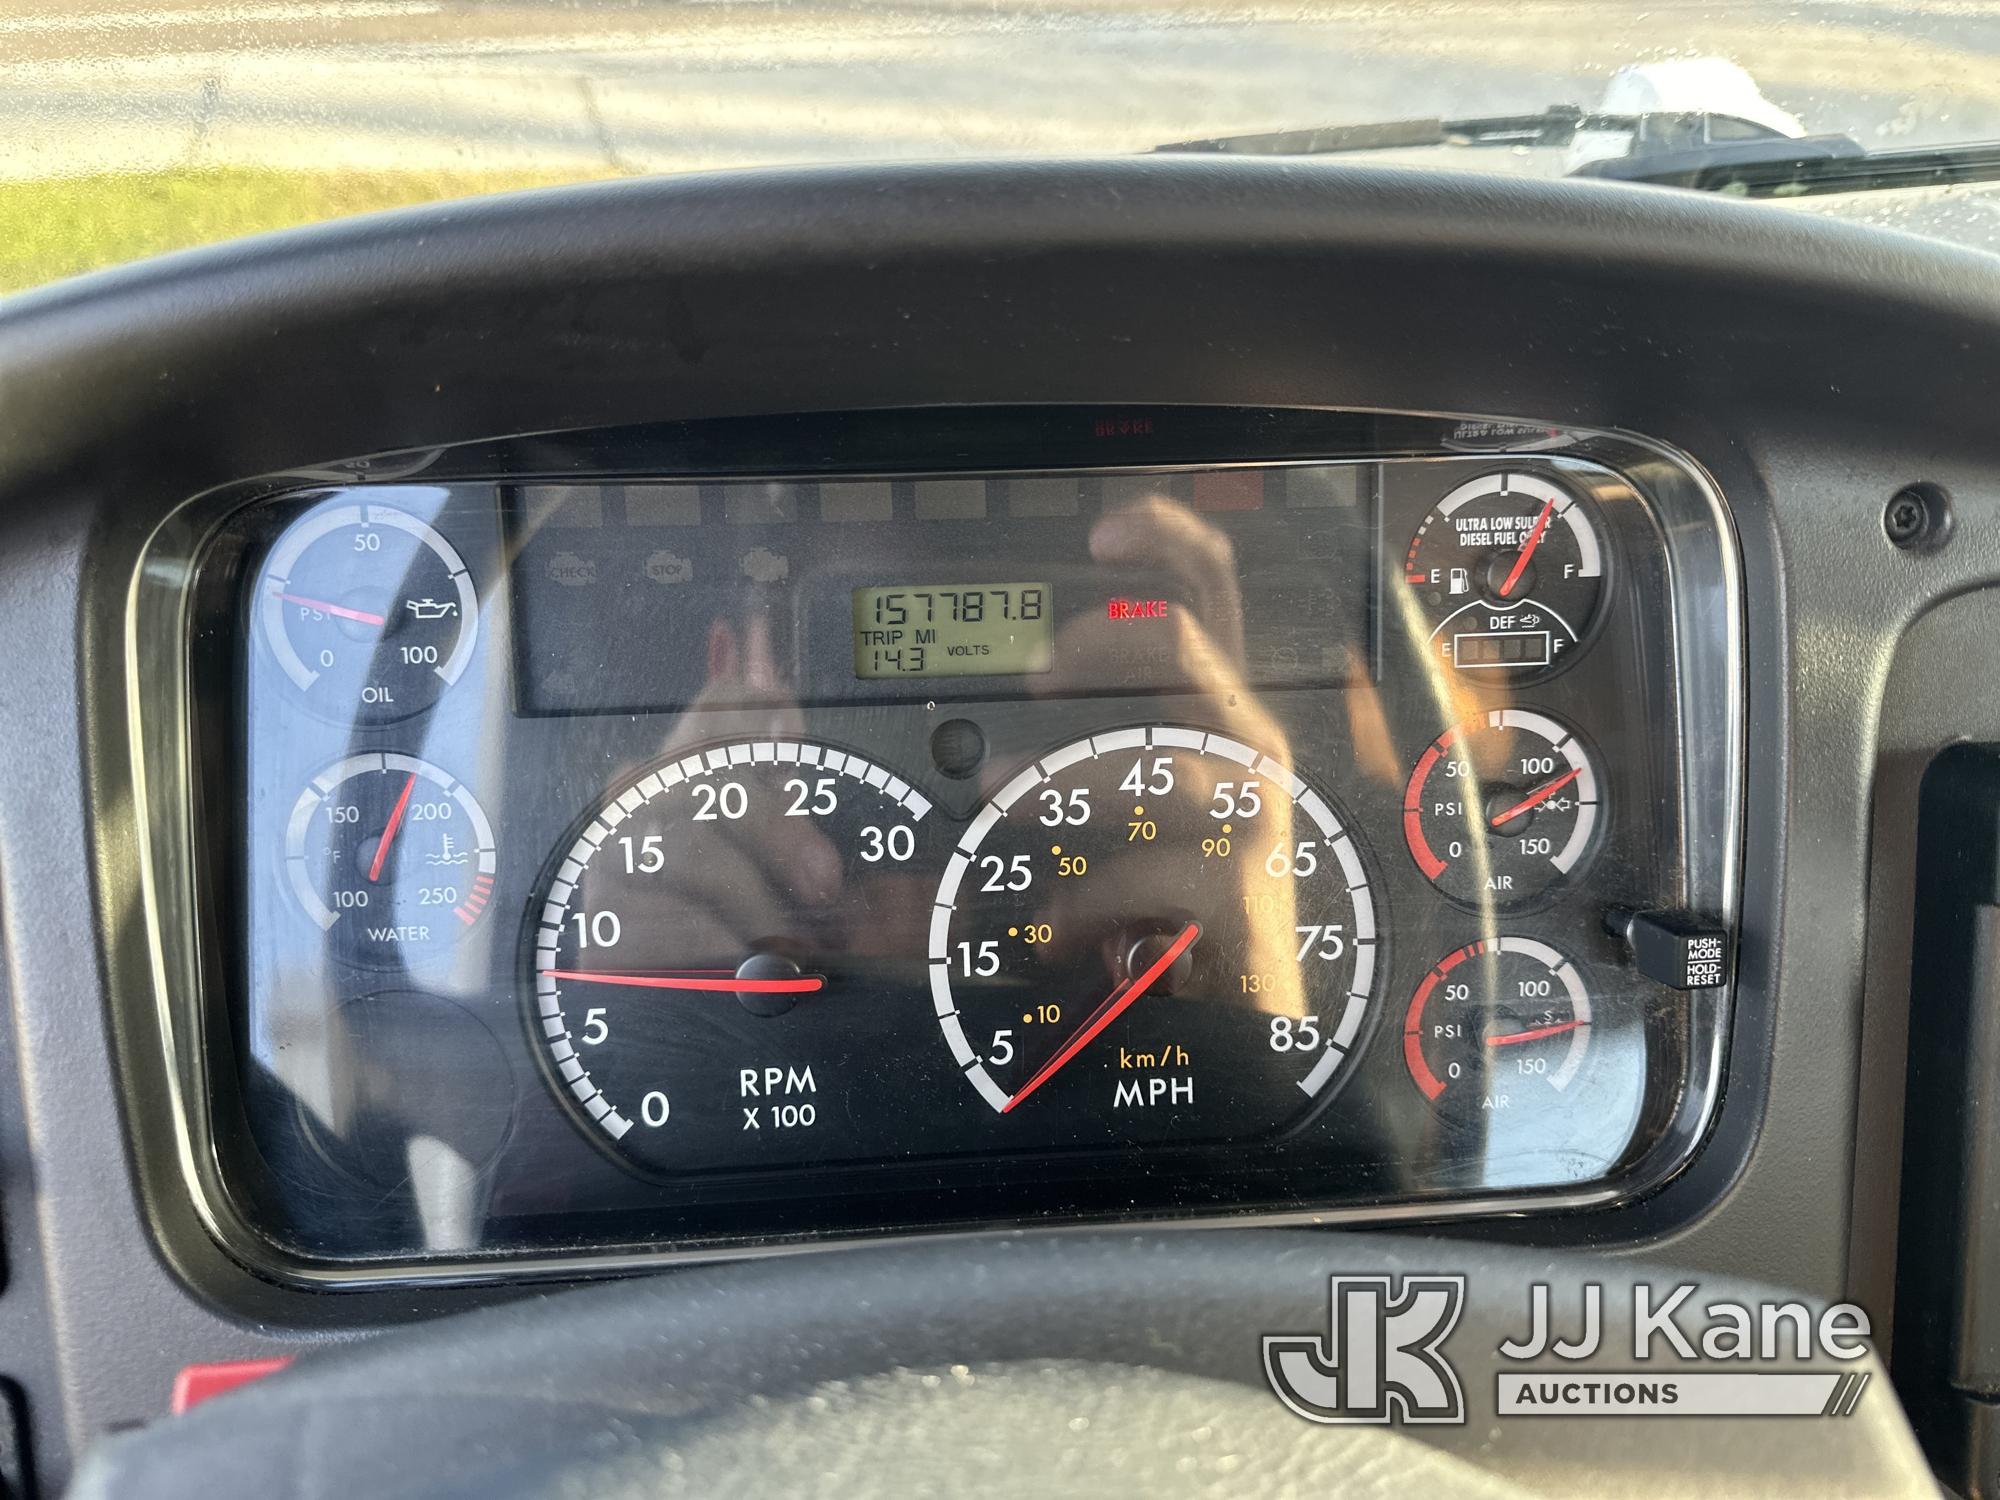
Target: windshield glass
point(133, 127)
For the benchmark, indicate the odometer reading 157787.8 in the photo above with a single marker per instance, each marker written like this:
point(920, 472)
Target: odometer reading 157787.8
point(953, 630)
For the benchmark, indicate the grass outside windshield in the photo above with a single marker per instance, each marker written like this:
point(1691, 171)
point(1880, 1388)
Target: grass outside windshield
point(134, 128)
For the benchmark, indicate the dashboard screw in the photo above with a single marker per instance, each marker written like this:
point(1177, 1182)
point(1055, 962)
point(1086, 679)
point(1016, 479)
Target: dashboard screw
point(1918, 516)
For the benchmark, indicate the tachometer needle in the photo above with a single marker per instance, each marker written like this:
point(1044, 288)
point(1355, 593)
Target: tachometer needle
point(805, 984)
point(1528, 548)
point(1536, 798)
point(1515, 1038)
point(1114, 1006)
point(338, 611)
point(389, 833)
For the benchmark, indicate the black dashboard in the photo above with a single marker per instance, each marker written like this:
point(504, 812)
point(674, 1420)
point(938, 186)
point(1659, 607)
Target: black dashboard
point(747, 713)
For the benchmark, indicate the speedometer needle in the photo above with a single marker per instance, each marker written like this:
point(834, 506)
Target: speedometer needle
point(1536, 798)
point(1528, 548)
point(1114, 1006)
point(805, 984)
point(1515, 1038)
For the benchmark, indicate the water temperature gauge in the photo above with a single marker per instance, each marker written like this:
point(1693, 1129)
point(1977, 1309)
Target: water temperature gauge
point(392, 857)
point(1507, 572)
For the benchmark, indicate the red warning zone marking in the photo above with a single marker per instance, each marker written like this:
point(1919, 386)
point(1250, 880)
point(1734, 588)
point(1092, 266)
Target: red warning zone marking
point(1413, 796)
point(468, 910)
point(1413, 1021)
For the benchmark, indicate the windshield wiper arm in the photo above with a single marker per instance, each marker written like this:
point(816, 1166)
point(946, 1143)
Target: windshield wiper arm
point(1704, 151)
point(1801, 174)
point(1555, 126)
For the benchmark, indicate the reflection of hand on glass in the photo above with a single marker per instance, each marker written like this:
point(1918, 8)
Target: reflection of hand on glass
point(1224, 814)
point(743, 667)
point(796, 861)
point(1165, 536)
point(1163, 548)
point(737, 884)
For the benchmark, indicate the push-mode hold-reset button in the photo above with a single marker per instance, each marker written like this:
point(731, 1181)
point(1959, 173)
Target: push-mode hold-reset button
point(1679, 949)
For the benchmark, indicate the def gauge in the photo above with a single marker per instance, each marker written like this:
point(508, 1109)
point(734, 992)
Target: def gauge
point(369, 611)
point(392, 857)
point(1501, 807)
point(1507, 572)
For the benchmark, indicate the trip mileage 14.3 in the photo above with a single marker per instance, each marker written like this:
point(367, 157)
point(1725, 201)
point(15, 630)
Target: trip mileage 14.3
point(953, 630)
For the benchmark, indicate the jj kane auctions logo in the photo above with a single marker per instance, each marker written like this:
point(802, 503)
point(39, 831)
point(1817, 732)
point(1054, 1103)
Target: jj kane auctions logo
point(1382, 1358)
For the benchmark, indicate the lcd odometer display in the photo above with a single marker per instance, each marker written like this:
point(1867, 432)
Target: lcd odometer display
point(953, 630)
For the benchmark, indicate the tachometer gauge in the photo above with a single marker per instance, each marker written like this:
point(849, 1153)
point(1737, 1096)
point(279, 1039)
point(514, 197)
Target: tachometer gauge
point(1507, 572)
point(392, 857)
point(1501, 807)
point(371, 613)
point(1496, 1025)
point(717, 946)
point(1155, 934)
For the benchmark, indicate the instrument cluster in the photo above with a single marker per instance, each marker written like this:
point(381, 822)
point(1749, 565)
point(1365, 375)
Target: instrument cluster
point(628, 845)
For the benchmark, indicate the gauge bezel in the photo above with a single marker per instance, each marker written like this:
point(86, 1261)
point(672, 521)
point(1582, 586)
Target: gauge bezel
point(1595, 835)
point(1681, 506)
point(285, 554)
point(1359, 1018)
point(397, 989)
point(1565, 476)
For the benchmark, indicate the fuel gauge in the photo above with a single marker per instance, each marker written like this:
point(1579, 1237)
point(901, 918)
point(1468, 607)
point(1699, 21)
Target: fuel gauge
point(1508, 572)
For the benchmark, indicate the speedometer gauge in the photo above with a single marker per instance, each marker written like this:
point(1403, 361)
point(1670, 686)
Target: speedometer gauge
point(711, 949)
point(1507, 571)
point(1153, 934)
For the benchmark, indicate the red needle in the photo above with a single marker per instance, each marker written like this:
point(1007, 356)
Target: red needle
point(338, 611)
point(1113, 1007)
point(805, 984)
point(389, 833)
point(1535, 799)
point(1528, 550)
point(1516, 1038)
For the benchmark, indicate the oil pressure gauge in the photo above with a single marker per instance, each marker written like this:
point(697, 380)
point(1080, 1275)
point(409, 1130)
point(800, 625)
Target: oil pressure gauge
point(370, 612)
point(1507, 572)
